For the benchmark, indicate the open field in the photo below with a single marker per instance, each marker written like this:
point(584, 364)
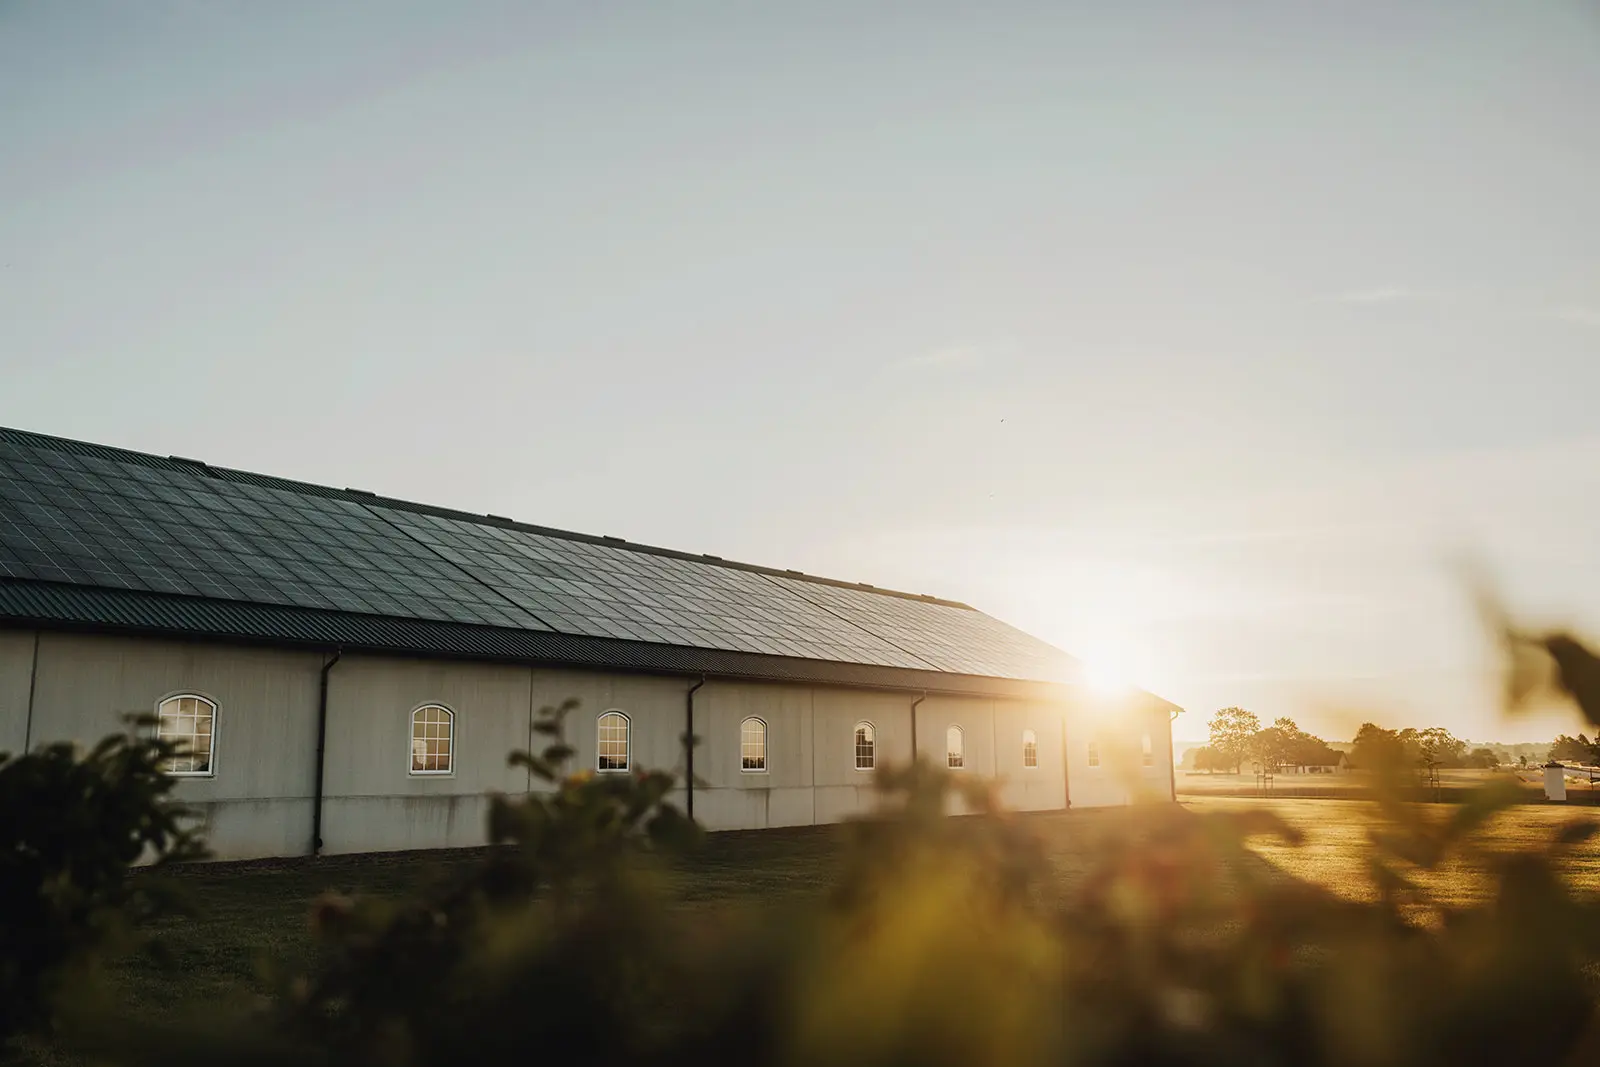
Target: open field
point(1452, 782)
point(251, 912)
point(1335, 848)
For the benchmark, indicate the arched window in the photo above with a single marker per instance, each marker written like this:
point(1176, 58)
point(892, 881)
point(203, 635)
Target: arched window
point(190, 722)
point(1094, 753)
point(753, 745)
point(866, 746)
point(1030, 749)
point(1147, 752)
point(611, 753)
point(955, 747)
point(433, 739)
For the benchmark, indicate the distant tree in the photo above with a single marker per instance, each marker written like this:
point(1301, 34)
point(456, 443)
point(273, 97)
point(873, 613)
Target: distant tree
point(1576, 749)
point(1289, 742)
point(1483, 758)
point(1232, 731)
point(1438, 746)
point(1571, 749)
point(1270, 747)
point(1375, 747)
point(1316, 752)
point(1522, 760)
point(1207, 759)
point(1298, 749)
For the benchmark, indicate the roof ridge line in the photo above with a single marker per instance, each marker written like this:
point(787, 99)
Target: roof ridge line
point(366, 497)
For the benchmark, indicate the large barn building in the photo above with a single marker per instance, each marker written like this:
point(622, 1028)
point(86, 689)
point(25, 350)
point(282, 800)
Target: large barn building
point(351, 671)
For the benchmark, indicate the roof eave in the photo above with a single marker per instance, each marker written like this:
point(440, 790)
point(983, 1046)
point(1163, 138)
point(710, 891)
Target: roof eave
point(25, 604)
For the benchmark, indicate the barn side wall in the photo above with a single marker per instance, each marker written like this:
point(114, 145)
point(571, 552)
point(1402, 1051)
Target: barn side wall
point(1116, 730)
point(16, 687)
point(258, 802)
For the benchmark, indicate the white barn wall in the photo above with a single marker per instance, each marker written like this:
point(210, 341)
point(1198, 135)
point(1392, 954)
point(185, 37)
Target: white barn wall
point(975, 717)
point(1023, 788)
point(1118, 728)
point(840, 789)
point(371, 800)
point(655, 708)
point(733, 798)
point(16, 684)
point(260, 801)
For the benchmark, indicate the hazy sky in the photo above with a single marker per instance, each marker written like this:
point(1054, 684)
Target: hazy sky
point(1202, 336)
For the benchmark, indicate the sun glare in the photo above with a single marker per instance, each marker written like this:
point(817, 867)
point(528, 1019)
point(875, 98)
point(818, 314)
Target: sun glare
point(1107, 670)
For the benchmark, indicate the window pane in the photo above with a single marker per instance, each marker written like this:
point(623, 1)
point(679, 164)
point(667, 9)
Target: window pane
point(865, 746)
point(431, 741)
point(186, 722)
point(753, 745)
point(612, 747)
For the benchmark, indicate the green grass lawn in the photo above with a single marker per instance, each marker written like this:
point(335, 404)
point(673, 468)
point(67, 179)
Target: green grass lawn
point(250, 912)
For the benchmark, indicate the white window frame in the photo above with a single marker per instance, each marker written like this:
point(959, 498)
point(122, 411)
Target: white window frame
point(1030, 740)
point(955, 758)
point(1147, 751)
point(855, 747)
point(1093, 755)
point(765, 733)
point(411, 738)
point(627, 741)
point(216, 716)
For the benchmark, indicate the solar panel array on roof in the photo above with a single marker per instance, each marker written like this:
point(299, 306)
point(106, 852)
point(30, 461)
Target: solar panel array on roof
point(610, 591)
point(91, 521)
point(958, 640)
point(88, 516)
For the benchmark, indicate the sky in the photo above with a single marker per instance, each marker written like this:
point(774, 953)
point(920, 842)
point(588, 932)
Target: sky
point(1205, 341)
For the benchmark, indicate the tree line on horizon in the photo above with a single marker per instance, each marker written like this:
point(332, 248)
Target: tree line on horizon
point(1237, 737)
point(1576, 749)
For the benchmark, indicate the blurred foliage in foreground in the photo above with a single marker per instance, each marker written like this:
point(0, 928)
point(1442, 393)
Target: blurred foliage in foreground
point(946, 941)
point(71, 827)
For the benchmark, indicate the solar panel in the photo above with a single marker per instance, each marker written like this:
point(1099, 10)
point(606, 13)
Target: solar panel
point(953, 639)
point(609, 591)
point(85, 520)
point(88, 516)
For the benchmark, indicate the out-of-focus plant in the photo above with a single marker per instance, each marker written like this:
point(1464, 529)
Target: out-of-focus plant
point(953, 942)
point(553, 941)
point(72, 827)
point(1538, 663)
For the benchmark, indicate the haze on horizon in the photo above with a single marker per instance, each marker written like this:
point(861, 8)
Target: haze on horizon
point(1204, 341)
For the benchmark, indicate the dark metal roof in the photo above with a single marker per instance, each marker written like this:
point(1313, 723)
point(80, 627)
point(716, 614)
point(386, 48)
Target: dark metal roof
point(50, 606)
point(102, 537)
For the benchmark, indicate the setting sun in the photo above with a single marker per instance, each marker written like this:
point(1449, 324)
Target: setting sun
point(1109, 668)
